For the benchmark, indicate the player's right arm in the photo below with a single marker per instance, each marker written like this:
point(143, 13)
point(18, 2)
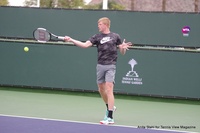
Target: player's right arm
point(78, 43)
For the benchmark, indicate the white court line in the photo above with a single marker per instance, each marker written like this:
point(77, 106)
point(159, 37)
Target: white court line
point(81, 122)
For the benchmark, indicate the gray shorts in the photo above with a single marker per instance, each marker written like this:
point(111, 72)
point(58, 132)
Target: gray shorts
point(105, 73)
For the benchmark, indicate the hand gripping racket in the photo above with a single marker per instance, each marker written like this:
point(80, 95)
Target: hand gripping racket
point(43, 35)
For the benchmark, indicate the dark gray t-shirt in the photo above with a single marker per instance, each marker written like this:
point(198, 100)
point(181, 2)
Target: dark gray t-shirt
point(106, 47)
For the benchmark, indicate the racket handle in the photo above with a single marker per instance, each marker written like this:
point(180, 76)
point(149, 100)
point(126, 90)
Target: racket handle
point(61, 37)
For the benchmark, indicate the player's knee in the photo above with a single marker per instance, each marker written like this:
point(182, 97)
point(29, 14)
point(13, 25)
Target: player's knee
point(100, 90)
point(101, 87)
point(109, 85)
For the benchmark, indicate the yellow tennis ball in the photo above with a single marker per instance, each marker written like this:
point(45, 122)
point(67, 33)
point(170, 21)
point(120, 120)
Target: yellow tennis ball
point(26, 49)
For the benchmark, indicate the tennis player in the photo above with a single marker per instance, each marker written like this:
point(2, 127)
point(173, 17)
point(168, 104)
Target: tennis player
point(107, 43)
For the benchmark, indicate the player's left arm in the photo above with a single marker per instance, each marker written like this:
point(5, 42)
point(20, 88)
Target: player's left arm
point(124, 46)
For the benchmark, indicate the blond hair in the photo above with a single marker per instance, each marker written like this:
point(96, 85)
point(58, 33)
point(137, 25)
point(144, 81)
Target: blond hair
point(105, 21)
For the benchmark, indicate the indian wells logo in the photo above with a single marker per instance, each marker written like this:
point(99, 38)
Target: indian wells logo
point(132, 76)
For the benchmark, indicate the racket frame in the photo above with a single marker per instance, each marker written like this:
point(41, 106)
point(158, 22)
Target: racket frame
point(46, 34)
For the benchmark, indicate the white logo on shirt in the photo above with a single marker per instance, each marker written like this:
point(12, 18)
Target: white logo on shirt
point(105, 39)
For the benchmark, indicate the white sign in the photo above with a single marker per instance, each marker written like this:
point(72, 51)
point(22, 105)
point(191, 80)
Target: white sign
point(132, 77)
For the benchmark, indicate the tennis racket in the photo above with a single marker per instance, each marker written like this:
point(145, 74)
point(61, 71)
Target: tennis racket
point(43, 35)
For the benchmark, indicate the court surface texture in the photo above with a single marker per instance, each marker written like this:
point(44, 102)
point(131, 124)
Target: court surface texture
point(49, 111)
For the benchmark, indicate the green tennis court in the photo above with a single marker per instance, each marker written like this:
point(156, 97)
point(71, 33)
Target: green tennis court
point(168, 114)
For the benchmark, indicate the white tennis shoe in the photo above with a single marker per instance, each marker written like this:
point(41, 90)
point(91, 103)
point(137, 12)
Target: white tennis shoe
point(107, 121)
